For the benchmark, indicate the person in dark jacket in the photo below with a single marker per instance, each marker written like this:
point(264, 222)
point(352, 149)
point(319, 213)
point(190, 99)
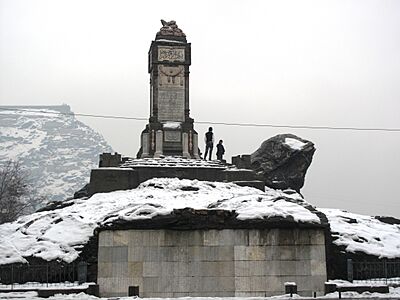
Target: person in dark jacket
point(209, 140)
point(220, 150)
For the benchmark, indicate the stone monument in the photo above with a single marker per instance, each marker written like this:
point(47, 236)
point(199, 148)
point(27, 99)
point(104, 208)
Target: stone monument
point(170, 129)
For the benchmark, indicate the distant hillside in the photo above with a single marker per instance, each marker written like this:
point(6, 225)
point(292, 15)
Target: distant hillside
point(57, 150)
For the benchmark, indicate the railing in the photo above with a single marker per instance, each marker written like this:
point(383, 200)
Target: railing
point(384, 272)
point(50, 274)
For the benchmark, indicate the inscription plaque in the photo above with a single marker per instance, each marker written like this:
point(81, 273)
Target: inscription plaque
point(171, 54)
point(171, 93)
point(171, 104)
point(172, 136)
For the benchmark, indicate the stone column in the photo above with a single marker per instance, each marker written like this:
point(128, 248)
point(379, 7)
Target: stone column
point(185, 145)
point(195, 146)
point(159, 144)
point(187, 111)
point(155, 92)
point(145, 145)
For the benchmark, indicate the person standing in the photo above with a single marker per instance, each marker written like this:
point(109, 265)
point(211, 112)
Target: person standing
point(220, 150)
point(209, 140)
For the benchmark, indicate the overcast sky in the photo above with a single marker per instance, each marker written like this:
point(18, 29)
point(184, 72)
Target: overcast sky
point(318, 63)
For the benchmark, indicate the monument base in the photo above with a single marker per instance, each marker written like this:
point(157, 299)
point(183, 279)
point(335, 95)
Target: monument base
point(169, 139)
point(212, 262)
point(128, 173)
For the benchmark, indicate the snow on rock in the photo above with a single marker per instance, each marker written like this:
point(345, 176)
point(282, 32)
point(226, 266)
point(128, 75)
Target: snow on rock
point(294, 144)
point(60, 233)
point(364, 233)
point(283, 161)
point(58, 150)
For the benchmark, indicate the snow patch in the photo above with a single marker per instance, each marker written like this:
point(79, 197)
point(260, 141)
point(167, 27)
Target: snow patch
point(364, 233)
point(294, 144)
point(176, 162)
point(172, 125)
point(60, 234)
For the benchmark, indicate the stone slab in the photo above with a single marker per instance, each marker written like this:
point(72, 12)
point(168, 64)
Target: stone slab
point(119, 253)
point(247, 262)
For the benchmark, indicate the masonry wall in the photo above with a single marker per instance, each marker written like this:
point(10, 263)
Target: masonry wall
point(239, 262)
point(103, 180)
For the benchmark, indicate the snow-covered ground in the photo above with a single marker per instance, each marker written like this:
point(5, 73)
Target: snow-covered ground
point(364, 233)
point(61, 233)
point(57, 150)
point(43, 285)
point(394, 294)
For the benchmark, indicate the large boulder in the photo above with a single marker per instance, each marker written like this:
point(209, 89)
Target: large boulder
point(283, 161)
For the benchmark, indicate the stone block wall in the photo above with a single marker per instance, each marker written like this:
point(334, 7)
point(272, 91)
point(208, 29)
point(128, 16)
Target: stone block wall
point(110, 160)
point(242, 161)
point(113, 179)
point(104, 180)
point(221, 263)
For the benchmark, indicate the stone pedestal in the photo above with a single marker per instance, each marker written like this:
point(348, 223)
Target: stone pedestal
point(145, 142)
point(211, 263)
point(185, 145)
point(196, 146)
point(159, 144)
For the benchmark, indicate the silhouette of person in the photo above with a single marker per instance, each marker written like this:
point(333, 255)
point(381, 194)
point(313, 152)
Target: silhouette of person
point(220, 150)
point(209, 140)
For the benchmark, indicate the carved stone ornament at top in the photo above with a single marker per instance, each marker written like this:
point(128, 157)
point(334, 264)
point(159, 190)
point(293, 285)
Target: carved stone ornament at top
point(170, 31)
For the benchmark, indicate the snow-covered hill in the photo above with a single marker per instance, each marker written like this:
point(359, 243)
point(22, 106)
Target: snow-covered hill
point(365, 234)
point(57, 150)
point(61, 233)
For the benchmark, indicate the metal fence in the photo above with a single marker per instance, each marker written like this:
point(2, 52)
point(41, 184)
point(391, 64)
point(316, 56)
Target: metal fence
point(42, 275)
point(385, 272)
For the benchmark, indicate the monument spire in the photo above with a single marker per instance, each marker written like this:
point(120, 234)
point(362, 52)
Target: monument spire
point(170, 129)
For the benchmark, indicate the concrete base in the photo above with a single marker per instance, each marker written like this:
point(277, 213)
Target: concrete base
point(214, 263)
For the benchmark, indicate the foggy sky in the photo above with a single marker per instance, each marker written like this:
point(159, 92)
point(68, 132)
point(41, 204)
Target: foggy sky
point(321, 63)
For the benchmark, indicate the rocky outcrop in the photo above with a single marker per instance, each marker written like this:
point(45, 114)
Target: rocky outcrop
point(283, 161)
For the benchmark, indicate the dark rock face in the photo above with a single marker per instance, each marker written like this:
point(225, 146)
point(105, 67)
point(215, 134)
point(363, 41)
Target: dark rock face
point(211, 218)
point(83, 192)
point(388, 220)
point(283, 161)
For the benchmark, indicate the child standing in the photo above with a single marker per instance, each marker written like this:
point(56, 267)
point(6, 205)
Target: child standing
point(220, 150)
